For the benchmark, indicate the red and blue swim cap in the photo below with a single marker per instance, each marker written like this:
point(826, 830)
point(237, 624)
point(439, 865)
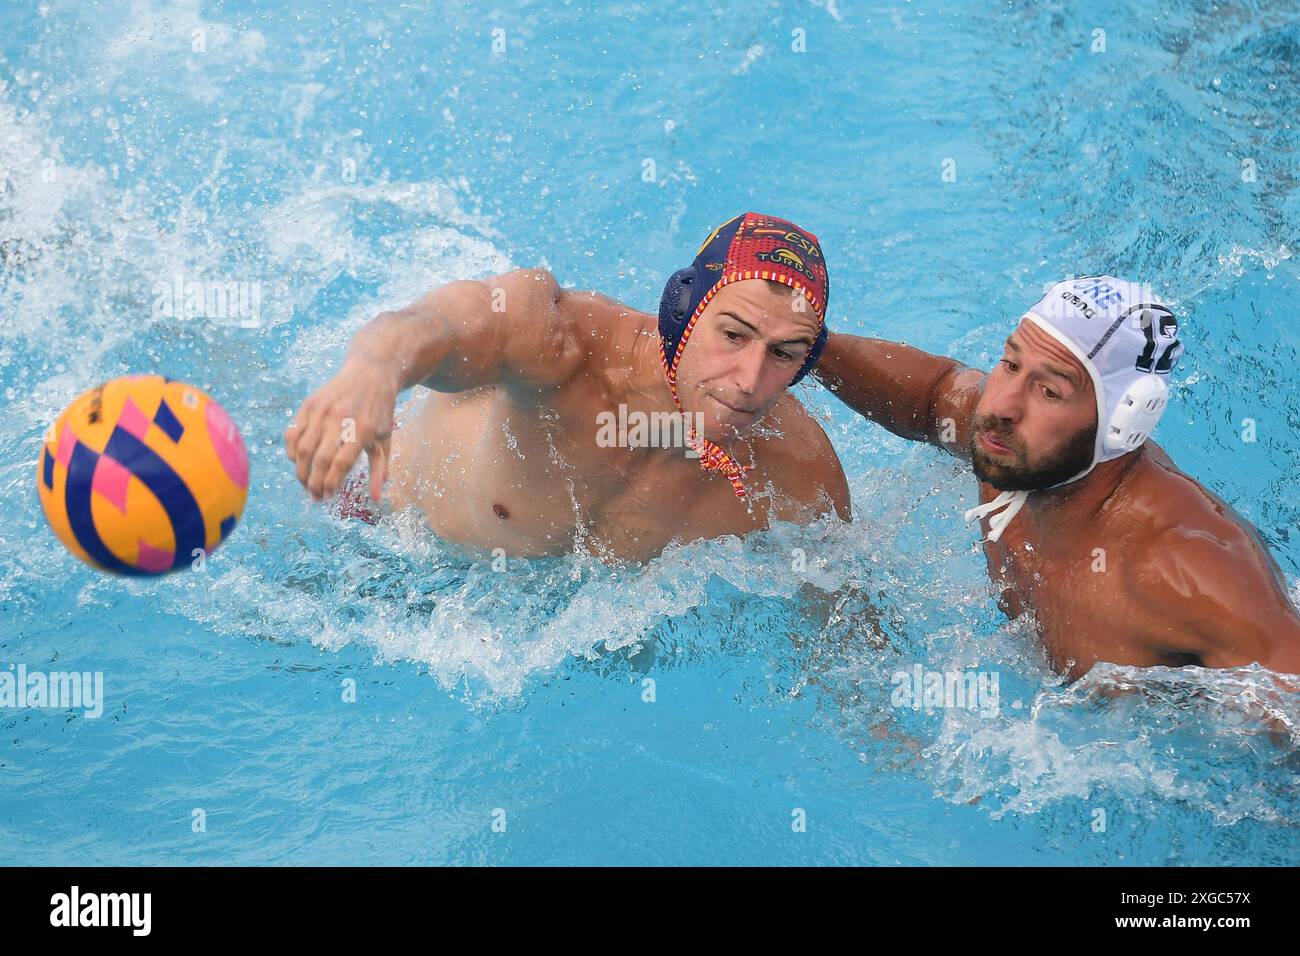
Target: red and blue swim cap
point(750, 246)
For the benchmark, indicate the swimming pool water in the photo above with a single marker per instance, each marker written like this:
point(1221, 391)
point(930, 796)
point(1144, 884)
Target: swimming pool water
point(699, 708)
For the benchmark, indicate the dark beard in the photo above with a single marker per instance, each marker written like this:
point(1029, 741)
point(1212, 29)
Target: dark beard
point(1073, 458)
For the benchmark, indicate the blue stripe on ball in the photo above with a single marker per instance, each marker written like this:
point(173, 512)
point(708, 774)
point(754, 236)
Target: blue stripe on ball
point(172, 493)
point(76, 498)
point(165, 419)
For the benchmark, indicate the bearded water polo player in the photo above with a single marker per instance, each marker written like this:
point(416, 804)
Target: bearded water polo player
point(505, 452)
point(1118, 555)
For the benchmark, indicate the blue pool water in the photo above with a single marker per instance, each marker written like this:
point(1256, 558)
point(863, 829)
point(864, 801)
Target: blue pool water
point(347, 157)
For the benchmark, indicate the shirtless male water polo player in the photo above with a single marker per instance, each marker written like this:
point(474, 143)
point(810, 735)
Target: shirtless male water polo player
point(516, 447)
point(1119, 555)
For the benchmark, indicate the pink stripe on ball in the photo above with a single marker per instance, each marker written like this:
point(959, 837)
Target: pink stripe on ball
point(153, 560)
point(228, 444)
point(133, 420)
point(110, 480)
point(67, 442)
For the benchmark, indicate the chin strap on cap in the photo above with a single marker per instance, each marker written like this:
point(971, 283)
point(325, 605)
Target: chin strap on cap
point(714, 458)
point(1012, 501)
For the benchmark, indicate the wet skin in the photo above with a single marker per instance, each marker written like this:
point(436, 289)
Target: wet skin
point(1136, 563)
point(505, 451)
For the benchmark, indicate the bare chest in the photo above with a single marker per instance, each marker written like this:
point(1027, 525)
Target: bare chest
point(545, 480)
point(1073, 588)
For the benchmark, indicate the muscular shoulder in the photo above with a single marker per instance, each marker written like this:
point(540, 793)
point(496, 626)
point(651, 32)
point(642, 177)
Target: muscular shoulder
point(535, 336)
point(1202, 570)
point(1160, 502)
point(567, 331)
point(610, 334)
point(803, 464)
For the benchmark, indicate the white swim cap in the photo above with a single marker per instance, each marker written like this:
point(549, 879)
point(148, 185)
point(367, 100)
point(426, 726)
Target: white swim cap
point(1127, 341)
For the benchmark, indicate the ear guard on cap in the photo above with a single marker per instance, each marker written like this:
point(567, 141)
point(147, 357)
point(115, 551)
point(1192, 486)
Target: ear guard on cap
point(1137, 413)
point(673, 306)
point(813, 355)
point(1140, 408)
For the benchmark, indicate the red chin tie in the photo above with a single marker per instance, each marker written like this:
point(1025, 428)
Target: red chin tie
point(713, 458)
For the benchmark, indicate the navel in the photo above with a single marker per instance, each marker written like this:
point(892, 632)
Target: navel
point(500, 511)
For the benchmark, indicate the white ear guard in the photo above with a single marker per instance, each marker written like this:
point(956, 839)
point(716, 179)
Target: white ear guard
point(1137, 413)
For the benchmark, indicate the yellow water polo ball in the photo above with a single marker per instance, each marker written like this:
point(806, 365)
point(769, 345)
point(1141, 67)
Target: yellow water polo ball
point(143, 475)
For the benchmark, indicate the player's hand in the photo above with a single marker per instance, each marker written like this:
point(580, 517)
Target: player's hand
point(350, 413)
